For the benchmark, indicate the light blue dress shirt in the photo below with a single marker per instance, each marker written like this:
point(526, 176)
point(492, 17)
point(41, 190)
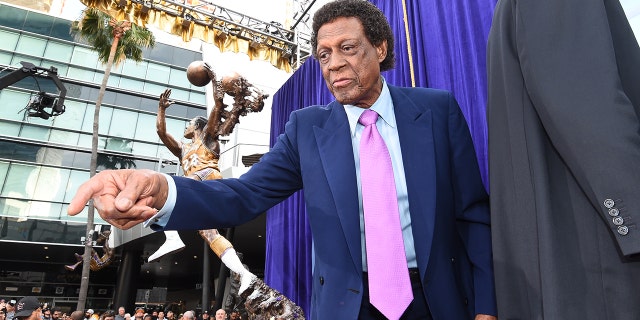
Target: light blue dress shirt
point(388, 129)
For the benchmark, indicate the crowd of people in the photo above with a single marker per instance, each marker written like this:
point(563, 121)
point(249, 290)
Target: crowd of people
point(31, 308)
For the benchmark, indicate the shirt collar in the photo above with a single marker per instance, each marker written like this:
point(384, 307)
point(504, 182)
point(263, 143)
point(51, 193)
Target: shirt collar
point(383, 106)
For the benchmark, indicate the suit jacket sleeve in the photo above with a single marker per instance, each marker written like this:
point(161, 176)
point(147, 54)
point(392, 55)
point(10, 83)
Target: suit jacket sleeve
point(472, 210)
point(573, 80)
point(230, 202)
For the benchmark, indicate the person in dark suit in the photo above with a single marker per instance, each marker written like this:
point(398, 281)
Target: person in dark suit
point(442, 203)
point(564, 160)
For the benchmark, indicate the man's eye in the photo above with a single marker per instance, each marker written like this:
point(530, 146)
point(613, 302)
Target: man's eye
point(348, 48)
point(323, 56)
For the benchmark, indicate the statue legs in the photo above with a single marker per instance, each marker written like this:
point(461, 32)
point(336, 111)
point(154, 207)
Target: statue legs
point(172, 244)
point(97, 262)
point(261, 300)
point(225, 251)
point(232, 261)
point(73, 267)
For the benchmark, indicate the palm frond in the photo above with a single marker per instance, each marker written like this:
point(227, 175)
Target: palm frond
point(93, 28)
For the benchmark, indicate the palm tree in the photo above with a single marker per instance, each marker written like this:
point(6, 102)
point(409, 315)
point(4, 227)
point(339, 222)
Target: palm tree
point(115, 41)
point(109, 161)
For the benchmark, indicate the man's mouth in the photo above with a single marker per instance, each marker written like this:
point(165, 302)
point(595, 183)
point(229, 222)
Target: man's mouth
point(342, 82)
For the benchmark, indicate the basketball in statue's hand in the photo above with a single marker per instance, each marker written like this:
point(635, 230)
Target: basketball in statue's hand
point(197, 74)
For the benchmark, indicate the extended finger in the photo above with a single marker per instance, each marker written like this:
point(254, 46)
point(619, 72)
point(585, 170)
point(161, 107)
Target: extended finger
point(85, 192)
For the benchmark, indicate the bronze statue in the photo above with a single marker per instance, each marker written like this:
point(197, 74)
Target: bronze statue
point(261, 301)
point(97, 262)
point(199, 158)
point(233, 300)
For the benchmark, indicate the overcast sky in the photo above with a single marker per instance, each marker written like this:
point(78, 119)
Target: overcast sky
point(632, 9)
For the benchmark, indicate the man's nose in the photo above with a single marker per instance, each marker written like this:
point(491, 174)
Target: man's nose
point(336, 61)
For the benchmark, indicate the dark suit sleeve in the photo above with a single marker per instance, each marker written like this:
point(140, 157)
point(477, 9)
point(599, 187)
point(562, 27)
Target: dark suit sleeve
point(574, 82)
point(230, 202)
point(472, 210)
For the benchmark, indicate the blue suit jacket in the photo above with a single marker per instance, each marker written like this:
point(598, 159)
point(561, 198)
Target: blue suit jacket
point(448, 203)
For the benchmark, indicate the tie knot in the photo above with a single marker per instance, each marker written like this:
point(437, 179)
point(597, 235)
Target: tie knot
point(368, 117)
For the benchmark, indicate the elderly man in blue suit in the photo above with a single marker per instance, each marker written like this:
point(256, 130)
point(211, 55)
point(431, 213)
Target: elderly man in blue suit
point(441, 201)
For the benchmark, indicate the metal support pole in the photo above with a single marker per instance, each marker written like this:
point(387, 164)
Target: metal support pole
point(206, 278)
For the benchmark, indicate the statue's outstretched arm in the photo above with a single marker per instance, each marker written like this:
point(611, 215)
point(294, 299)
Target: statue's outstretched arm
point(213, 122)
point(161, 125)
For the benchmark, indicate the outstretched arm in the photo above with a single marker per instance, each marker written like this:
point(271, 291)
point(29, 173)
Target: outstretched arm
point(161, 125)
point(213, 122)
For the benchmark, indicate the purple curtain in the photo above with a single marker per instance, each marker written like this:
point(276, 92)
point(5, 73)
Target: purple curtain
point(288, 244)
point(450, 41)
point(448, 46)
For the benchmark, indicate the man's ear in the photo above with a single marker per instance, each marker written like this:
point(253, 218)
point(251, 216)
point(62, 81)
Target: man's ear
point(381, 49)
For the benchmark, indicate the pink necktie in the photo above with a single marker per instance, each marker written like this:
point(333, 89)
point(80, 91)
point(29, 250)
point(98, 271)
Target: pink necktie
point(389, 285)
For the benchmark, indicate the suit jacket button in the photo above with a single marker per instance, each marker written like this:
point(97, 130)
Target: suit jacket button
point(321, 280)
point(618, 221)
point(623, 230)
point(609, 203)
point(614, 212)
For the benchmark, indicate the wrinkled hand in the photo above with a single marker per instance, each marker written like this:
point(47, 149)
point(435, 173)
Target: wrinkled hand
point(123, 198)
point(485, 317)
point(164, 101)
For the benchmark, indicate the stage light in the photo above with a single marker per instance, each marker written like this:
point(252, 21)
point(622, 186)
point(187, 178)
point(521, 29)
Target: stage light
point(287, 52)
point(256, 42)
point(146, 6)
point(273, 27)
point(229, 30)
point(186, 23)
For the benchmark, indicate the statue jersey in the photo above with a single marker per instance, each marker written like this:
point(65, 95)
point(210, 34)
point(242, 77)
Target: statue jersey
point(198, 160)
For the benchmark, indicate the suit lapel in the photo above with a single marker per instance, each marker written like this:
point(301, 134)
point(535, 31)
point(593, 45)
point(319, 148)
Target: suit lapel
point(415, 131)
point(336, 153)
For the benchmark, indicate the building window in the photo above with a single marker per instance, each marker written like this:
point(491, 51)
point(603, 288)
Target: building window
point(31, 46)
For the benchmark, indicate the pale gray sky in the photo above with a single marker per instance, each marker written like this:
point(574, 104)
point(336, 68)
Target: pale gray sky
point(632, 9)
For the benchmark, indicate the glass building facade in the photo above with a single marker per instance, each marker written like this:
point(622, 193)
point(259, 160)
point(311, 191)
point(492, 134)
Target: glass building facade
point(42, 162)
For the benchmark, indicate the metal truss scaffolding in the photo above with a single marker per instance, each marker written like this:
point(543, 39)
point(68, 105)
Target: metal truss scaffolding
point(294, 46)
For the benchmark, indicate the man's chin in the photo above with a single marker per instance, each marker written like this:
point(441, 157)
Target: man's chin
point(347, 98)
point(344, 99)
